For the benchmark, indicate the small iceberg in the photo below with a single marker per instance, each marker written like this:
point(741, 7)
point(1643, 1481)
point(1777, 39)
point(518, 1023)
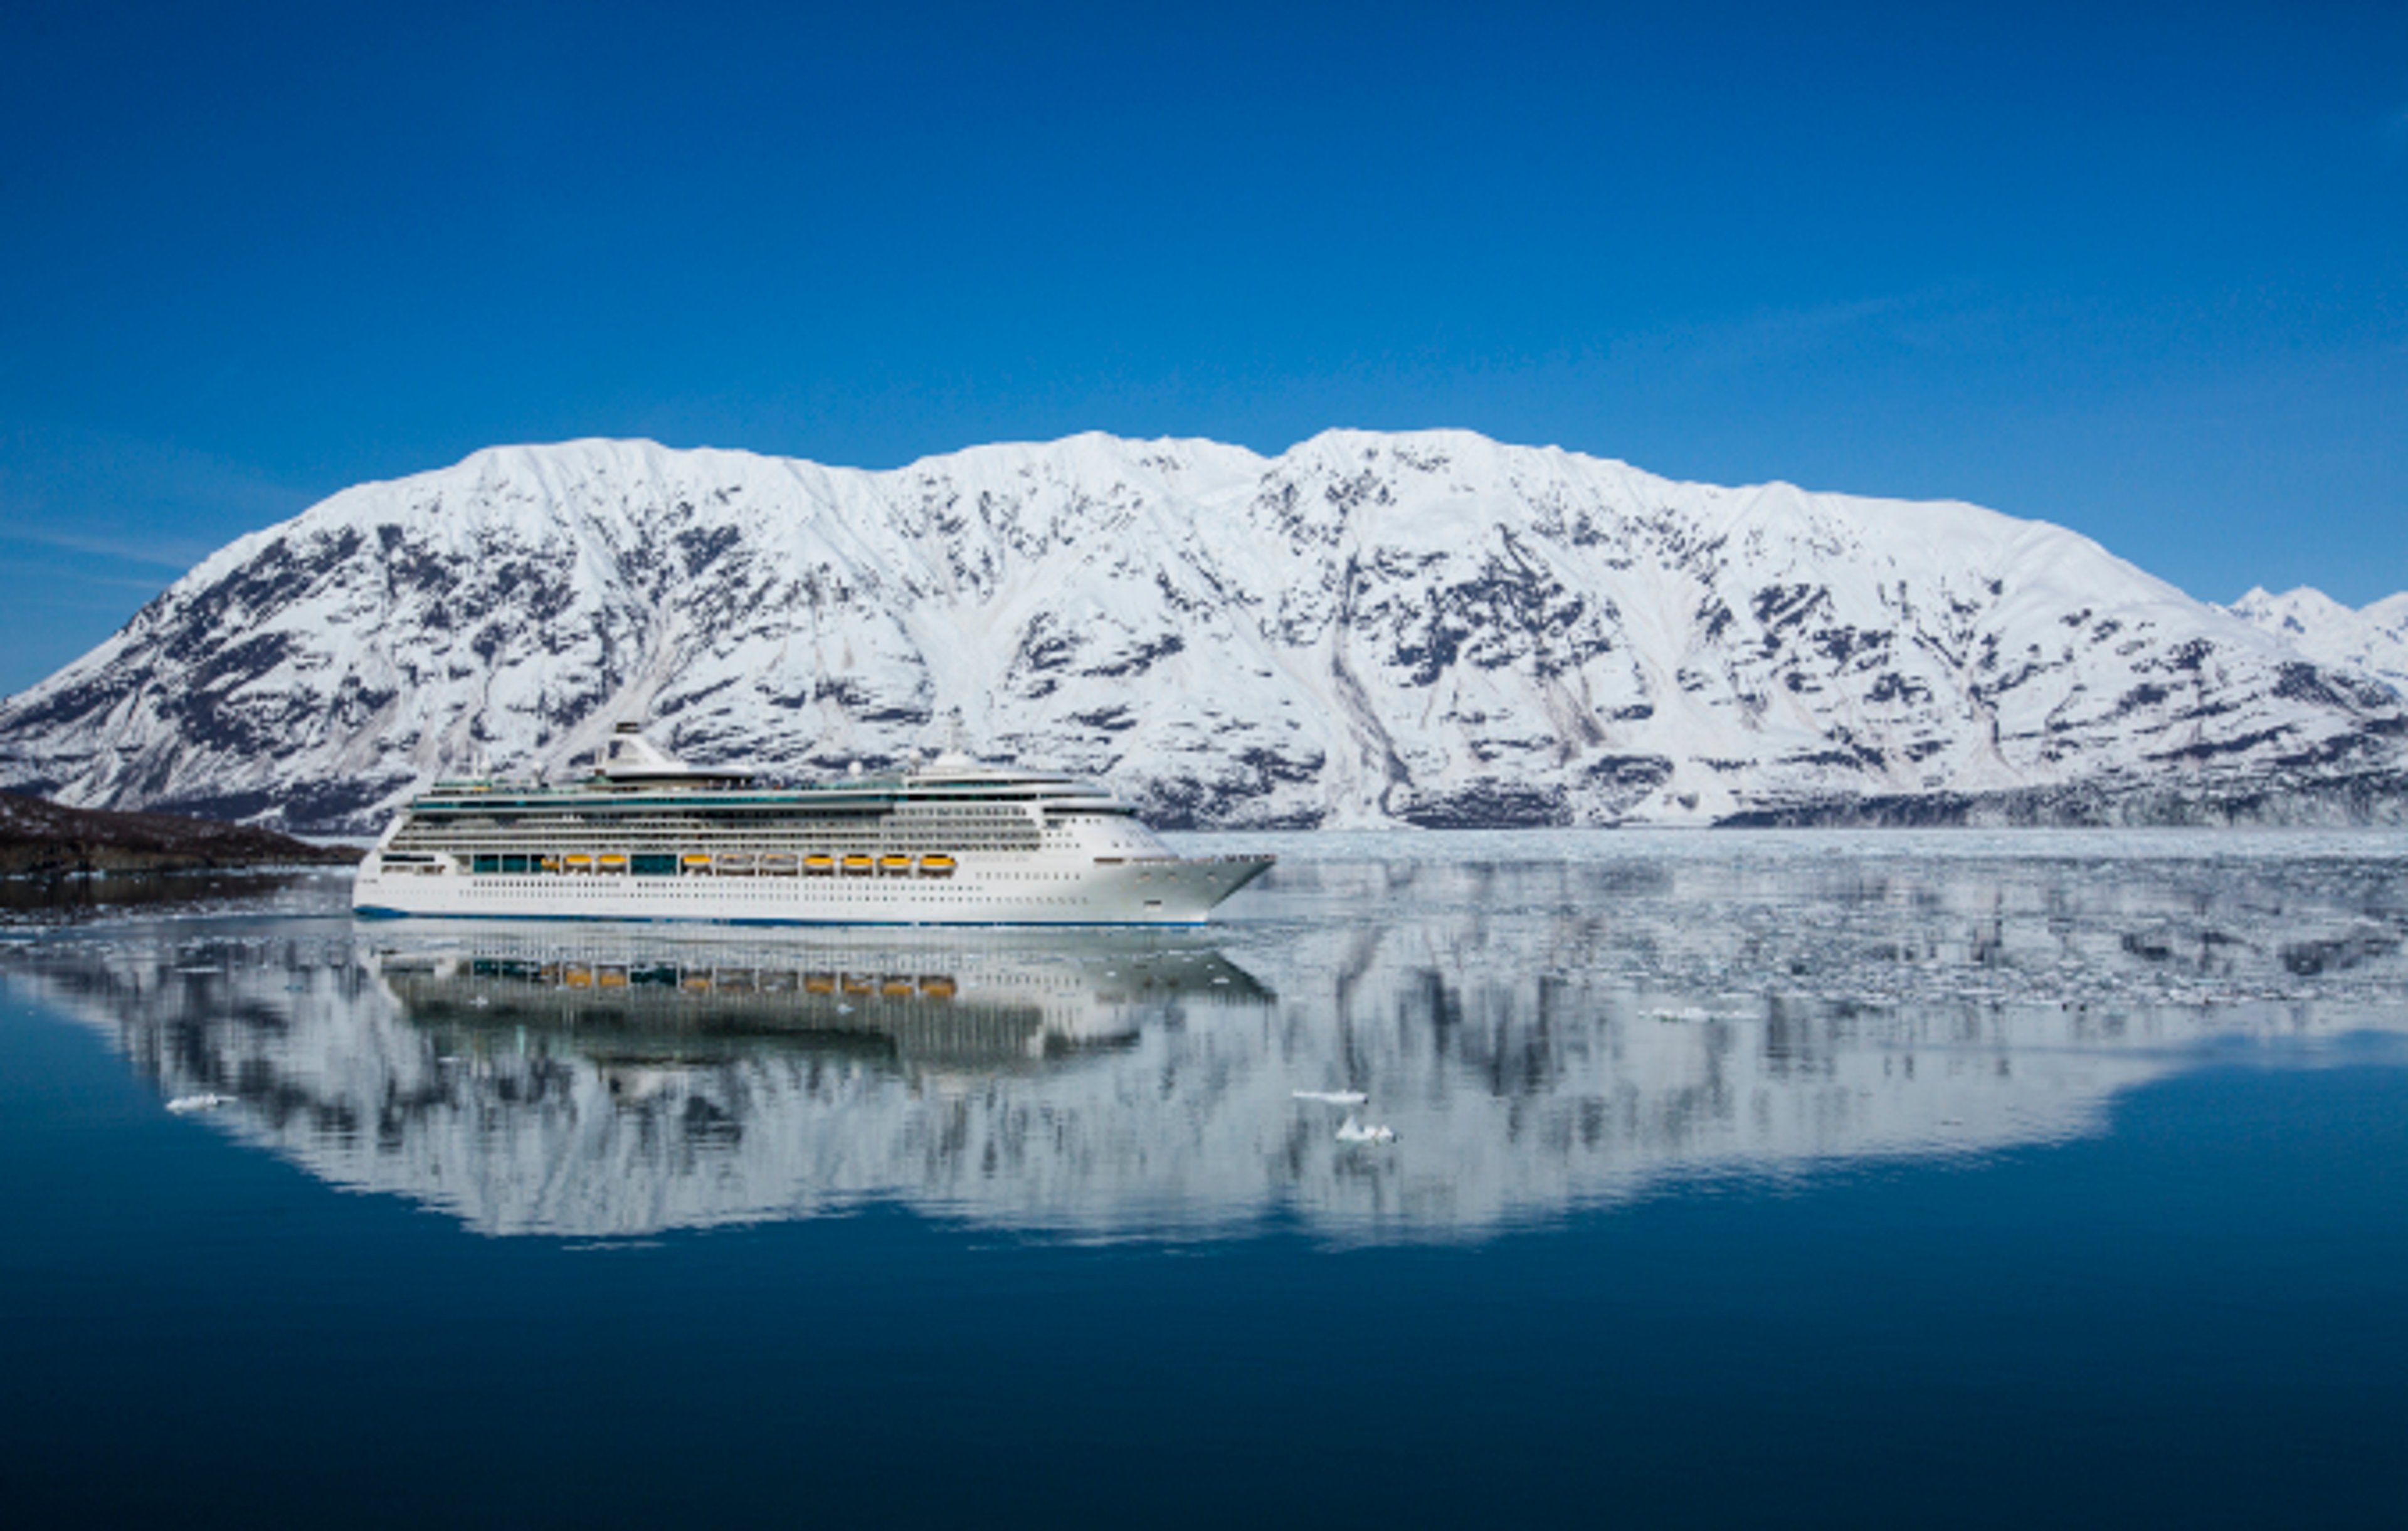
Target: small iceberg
point(1333, 1097)
point(206, 1101)
point(1699, 1013)
point(1352, 1131)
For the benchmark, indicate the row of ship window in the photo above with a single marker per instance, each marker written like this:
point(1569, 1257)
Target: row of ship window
point(675, 824)
point(685, 829)
point(704, 864)
point(963, 896)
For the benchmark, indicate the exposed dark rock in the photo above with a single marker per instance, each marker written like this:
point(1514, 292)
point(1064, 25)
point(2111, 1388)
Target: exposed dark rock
point(42, 837)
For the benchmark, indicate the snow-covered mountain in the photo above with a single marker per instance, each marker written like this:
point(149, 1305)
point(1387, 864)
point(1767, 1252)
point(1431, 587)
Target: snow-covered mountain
point(2372, 640)
point(1426, 628)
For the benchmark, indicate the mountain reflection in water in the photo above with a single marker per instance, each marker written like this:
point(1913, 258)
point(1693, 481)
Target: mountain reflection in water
point(1542, 1033)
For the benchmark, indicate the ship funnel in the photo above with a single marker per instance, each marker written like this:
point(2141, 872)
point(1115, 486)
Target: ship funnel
point(627, 755)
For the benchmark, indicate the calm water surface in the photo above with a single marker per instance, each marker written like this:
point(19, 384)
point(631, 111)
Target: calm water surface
point(1735, 1179)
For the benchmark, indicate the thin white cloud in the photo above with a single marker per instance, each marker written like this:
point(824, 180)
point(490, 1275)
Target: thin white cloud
point(57, 589)
point(58, 477)
point(169, 555)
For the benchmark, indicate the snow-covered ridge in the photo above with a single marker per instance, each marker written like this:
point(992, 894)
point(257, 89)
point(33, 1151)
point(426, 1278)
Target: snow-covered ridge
point(1425, 627)
point(2372, 640)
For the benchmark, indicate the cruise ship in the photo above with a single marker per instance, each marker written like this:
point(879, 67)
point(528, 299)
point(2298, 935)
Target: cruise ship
point(643, 835)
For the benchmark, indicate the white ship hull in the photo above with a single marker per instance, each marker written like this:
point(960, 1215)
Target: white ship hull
point(1168, 891)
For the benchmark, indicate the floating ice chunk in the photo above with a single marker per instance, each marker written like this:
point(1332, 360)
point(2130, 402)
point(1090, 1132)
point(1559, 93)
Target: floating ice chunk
point(1699, 1013)
point(1333, 1097)
point(206, 1101)
point(1352, 1131)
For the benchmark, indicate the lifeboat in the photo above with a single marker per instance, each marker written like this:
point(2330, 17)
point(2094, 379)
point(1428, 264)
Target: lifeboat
point(935, 865)
point(733, 864)
point(610, 861)
point(693, 863)
point(547, 864)
point(937, 987)
point(859, 865)
point(896, 988)
point(778, 863)
point(818, 865)
point(855, 983)
point(609, 978)
point(819, 983)
point(577, 861)
point(894, 866)
point(577, 976)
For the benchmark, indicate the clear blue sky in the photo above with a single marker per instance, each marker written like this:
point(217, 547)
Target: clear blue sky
point(2143, 272)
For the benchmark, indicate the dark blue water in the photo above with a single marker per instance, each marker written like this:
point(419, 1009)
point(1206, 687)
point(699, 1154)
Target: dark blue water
point(2179, 1296)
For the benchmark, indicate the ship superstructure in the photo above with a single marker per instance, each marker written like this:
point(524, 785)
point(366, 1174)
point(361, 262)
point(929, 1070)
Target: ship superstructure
point(645, 836)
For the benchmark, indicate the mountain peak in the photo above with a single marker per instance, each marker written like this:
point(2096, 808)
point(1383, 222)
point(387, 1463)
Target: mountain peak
point(1424, 628)
point(2371, 642)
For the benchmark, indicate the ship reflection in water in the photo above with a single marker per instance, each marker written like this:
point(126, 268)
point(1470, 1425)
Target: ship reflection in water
point(1541, 1035)
point(910, 1009)
point(624, 1084)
